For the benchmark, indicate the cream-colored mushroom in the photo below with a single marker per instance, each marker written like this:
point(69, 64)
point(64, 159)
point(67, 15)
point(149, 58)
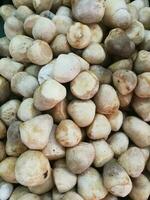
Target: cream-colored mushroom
point(8, 111)
point(68, 134)
point(117, 14)
point(136, 32)
point(23, 12)
point(104, 104)
point(66, 68)
point(85, 85)
point(141, 188)
point(90, 185)
point(6, 11)
point(40, 52)
point(7, 169)
point(116, 120)
point(125, 81)
point(43, 188)
point(59, 112)
point(24, 172)
point(19, 46)
point(82, 112)
point(60, 45)
point(97, 33)
point(64, 179)
point(44, 29)
point(100, 128)
point(62, 23)
point(84, 65)
point(133, 12)
point(142, 107)
point(79, 35)
point(29, 23)
point(14, 145)
point(80, 157)
point(53, 150)
point(9, 67)
point(116, 179)
point(64, 11)
point(94, 53)
point(125, 100)
point(132, 161)
point(137, 130)
point(48, 94)
point(119, 143)
point(46, 72)
point(27, 110)
point(19, 84)
point(30, 131)
point(142, 62)
point(143, 86)
point(103, 153)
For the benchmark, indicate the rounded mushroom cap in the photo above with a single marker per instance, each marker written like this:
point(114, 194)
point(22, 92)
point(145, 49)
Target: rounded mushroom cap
point(87, 11)
point(29, 23)
point(142, 89)
point(13, 27)
point(40, 53)
point(66, 68)
point(82, 112)
point(30, 131)
point(116, 179)
point(94, 53)
point(24, 172)
point(104, 104)
point(44, 29)
point(85, 85)
point(19, 46)
point(90, 185)
point(68, 134)
point(125, 81)
point(132, 161)
point(80, 157)
point(119, 143)
point(79, 35)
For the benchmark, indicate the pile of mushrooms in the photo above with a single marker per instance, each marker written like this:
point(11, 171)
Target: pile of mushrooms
point(75, 100)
